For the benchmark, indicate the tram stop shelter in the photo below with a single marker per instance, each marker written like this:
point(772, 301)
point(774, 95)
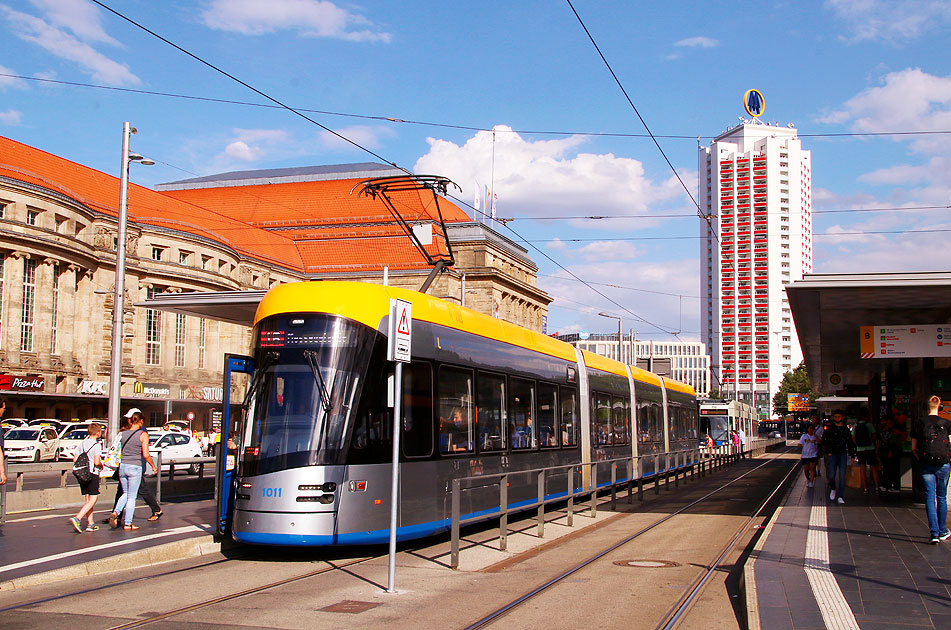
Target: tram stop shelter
point(879, 336)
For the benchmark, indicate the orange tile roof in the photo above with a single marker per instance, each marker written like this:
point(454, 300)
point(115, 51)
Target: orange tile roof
point(268, 222)
point(314, 203)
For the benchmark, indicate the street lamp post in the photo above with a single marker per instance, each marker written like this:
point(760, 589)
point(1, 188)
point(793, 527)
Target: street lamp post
point(115, 369)
point(619, 335)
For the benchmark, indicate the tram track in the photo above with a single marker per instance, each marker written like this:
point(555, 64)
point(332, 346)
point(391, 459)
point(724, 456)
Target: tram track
point(683, 604)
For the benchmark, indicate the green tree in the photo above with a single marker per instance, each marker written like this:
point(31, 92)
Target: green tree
point(714, 394)
point(795, 382)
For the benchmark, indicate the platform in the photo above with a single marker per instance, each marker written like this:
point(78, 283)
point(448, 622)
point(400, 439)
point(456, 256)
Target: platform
point(39, 547)
point(866, 564)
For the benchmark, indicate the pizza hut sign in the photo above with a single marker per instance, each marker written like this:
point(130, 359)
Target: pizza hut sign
point(22, 383)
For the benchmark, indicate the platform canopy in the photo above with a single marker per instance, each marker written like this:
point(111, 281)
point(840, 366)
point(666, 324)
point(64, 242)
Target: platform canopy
point(235, 307)
point(830, 309)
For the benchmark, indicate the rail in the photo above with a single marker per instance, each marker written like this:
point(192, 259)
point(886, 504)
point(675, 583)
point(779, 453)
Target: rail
point(679, 463)
point(18, 471)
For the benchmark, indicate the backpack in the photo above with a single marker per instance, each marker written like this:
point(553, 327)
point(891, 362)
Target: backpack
point(936, 450)
point(81, 468)
point(862, 435)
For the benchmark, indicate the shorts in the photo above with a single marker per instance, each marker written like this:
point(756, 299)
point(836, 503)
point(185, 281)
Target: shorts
point(91, 487)
point(810, 460)
point(867, 457)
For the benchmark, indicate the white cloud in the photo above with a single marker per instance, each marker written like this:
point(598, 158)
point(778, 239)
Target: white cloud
point(698, 42)
point(8, 82)
point(79, 16)
point(889, 20)
point(364, 135)
point(241, 151)
point(548, 177)
point(920, 251)
point(10, 117)
point(312, 18)
point(608, 251)
point(60, 43)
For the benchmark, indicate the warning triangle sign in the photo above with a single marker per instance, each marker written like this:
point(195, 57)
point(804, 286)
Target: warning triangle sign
point(402, 327)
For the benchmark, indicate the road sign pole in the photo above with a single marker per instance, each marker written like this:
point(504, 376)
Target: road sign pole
point(399, 350)
point(395, 477)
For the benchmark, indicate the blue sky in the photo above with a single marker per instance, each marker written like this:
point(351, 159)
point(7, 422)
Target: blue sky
point(841, 66)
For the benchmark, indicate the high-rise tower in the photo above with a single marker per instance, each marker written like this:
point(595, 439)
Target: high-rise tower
point(756, 187)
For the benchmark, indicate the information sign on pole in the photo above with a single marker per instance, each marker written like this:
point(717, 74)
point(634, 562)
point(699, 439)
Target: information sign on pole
point(398, 350)
point(399, 343)
point(798, 402)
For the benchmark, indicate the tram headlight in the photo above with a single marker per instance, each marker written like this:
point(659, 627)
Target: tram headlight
point(330, 486)
point(324, 498)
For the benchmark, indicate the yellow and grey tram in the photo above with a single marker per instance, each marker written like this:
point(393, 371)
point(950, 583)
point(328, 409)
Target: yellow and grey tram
point(479, 397)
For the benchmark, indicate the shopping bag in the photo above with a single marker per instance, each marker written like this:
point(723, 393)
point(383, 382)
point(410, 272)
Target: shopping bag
point(853, 476)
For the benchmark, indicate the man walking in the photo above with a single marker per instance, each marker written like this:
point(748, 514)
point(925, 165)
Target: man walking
point(930, 445)
point(839, 447)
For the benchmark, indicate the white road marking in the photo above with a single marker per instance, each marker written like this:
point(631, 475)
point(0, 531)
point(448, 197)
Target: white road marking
point(204, 527)
point(835, 610)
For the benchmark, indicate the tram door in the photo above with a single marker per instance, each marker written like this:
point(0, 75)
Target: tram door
point(238, 371)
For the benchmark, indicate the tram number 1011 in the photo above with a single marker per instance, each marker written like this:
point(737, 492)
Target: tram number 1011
point(271, 492)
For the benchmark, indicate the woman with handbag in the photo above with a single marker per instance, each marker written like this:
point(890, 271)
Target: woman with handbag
point(86, 468)
point(135, 452)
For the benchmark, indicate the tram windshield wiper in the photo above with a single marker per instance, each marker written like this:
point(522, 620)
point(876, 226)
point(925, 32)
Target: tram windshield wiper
point(311, 357)
point(259, 372)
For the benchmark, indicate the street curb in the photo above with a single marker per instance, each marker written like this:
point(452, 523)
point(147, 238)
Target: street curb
point(151, 556)
point(749, 575)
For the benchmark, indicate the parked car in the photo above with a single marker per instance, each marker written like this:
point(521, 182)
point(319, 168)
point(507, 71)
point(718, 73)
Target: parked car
point(70, 441)
point(174, 445)
point(12, 423)
point(30, 444)
point(776, 434)
point(48, 422)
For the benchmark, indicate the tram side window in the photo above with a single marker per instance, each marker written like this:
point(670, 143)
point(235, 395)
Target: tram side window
point(657, 423)
point(547, 412)
point(692, 423)
point(644, 421)
point(601, 427)
point(455, 411)
point(569, 417)
point(491, 412)
point(417, 410)
point(620, 409)
point(521, 414)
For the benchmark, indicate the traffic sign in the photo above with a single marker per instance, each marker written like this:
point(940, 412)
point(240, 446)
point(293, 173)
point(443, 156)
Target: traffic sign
point(399, 344)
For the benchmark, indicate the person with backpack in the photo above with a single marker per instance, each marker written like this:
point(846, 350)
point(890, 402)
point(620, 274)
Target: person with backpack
point(931, 447)
point(86, 466)
point(839, 448)
point(866, 451)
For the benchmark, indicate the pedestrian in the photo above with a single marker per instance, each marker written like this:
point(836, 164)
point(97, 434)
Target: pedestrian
point(741, 438)
point(819, 455)
point(931, 447)
point(839, 447)
point(3, 458)
point(145, 491)
point(135, 451)
point(889, 455)
point(866, 448)
point(92, 447)
point(809, 444)
point(216, 443)
point(204, 445)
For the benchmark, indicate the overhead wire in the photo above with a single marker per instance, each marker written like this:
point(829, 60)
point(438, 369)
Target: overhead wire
point(353, 143)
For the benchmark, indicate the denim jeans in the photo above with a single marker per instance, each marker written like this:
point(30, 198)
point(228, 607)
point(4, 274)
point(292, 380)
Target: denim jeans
point(836, 465)
point(935, 479)
point(130, 477)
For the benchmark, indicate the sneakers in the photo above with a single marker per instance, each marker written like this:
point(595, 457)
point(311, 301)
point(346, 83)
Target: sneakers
point(76, 524)
point(934, 540)
point(832, 496)
point(809, 484)
point(841, 501)
point(92, 528)
point(945, 535)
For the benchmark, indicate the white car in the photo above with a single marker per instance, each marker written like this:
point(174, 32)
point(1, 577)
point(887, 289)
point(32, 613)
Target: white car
point(70, 442)
point(174, 445)
point(48, 422)
point(30, 444)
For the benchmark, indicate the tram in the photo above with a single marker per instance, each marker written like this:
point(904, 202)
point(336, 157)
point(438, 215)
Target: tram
point(313, 437)
point(719, 418)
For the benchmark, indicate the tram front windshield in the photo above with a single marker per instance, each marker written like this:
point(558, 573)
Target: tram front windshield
point(719, 428)
point(309, 374)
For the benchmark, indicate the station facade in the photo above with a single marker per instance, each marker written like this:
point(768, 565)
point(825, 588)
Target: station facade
point(241, 231)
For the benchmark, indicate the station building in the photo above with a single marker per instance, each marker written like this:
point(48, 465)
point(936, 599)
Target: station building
point(242, 231)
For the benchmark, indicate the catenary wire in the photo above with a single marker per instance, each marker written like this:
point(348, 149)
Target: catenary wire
point(685, 215)
point(353, 143)
point(426, 123)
